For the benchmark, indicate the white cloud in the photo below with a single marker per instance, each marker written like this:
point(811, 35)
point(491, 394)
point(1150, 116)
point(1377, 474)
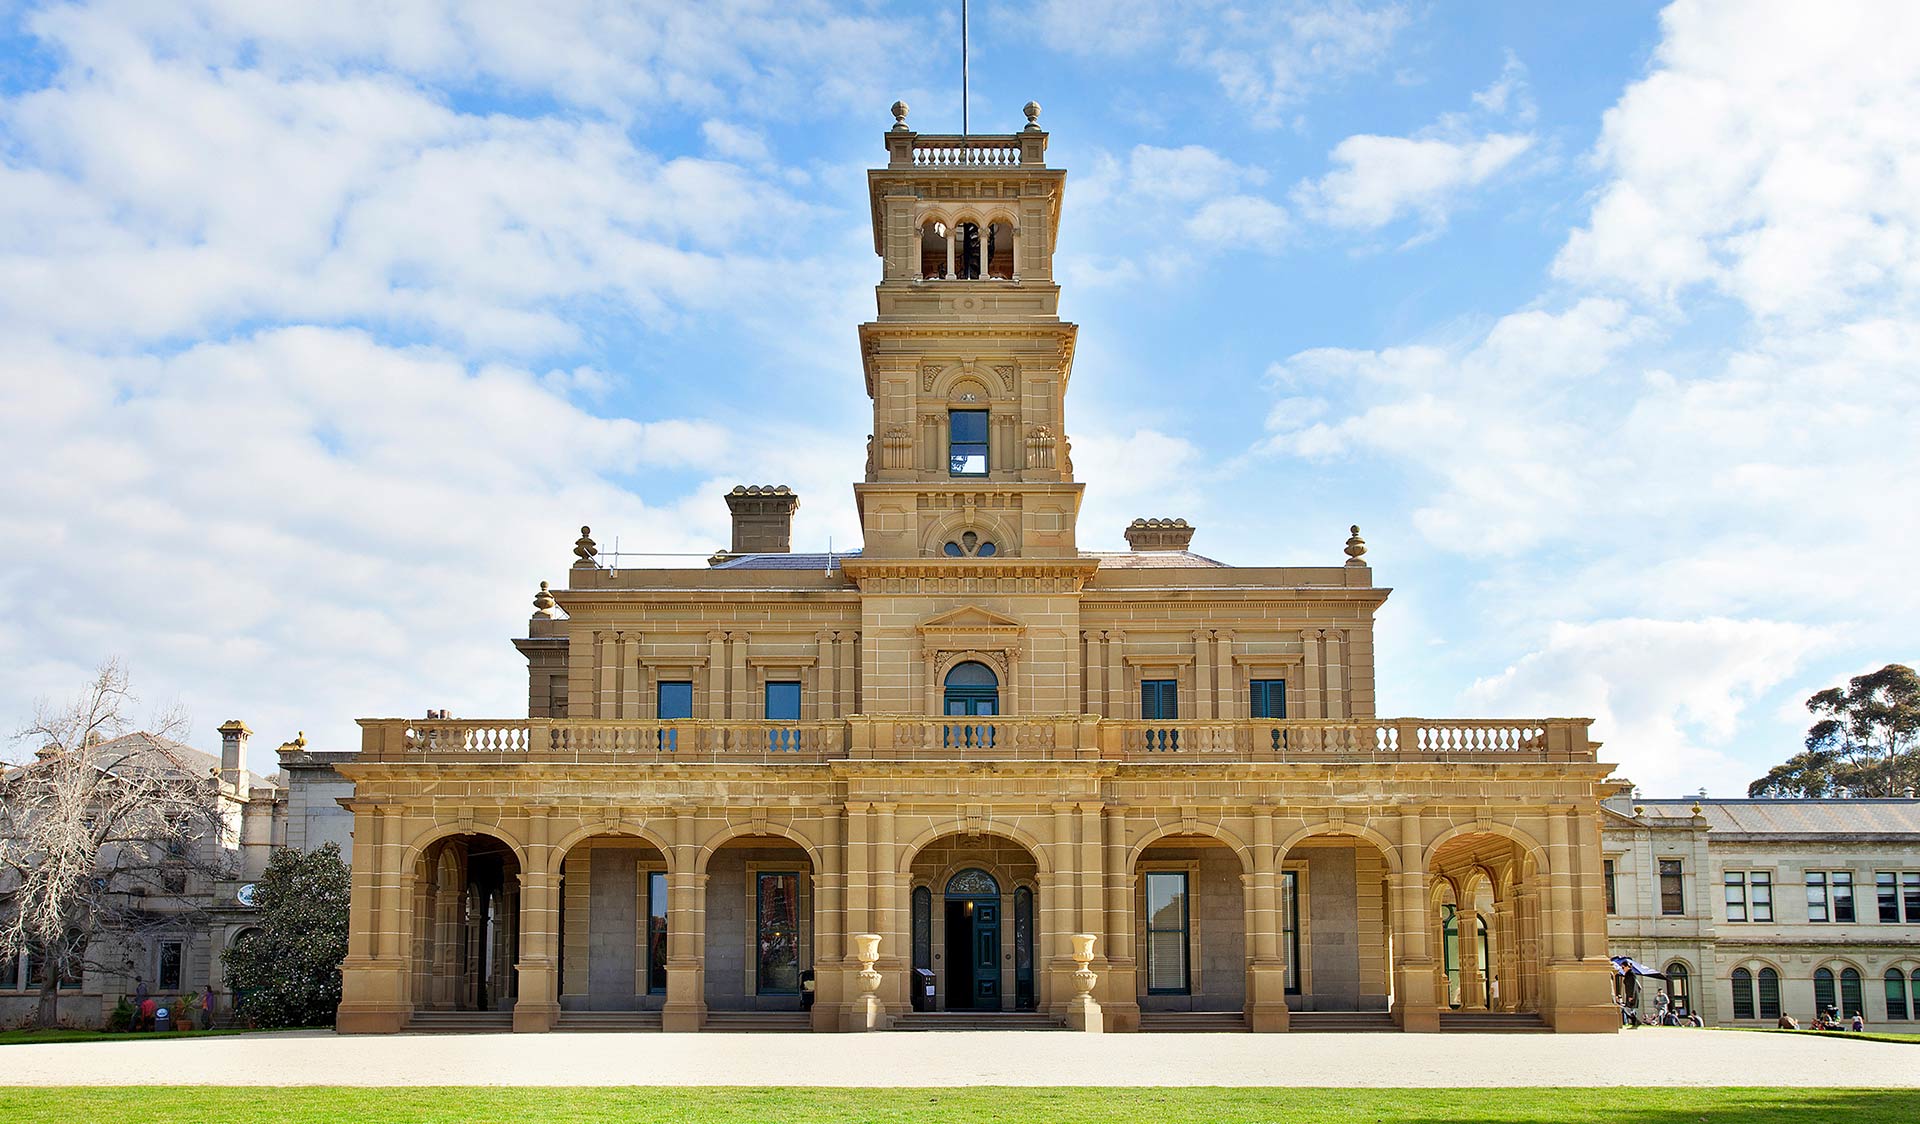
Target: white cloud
point(1770, 155)
point(1179, 200)
point(1244, 222)
point(1377, 180)
point(1266, 57)
point(1668, 697)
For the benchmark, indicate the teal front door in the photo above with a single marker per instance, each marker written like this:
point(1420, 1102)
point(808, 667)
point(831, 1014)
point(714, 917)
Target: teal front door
point(986, 956)
point(973, 941)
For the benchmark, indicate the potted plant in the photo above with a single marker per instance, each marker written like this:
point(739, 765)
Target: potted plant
point(183, 1013)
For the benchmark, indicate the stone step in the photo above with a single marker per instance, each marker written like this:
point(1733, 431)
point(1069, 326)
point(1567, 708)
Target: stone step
point(757, 1022)
point(461, 1022)
point(1493, 1022)
point(608, 1021)
point(1192, 1022)
point(1340, 1022)
point(976, 1020)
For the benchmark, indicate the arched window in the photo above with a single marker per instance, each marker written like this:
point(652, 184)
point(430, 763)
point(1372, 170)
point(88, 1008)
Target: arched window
point(1824, 998)
point(970, 545)
point(1769, 993)
point(1852, 1000)
point(922, 927)
point(1677, 986)
point(1000, 251)
point(967, 251)
point(1742, 993)
point(933, 250)
point(972, 689)
point(1897, 1010)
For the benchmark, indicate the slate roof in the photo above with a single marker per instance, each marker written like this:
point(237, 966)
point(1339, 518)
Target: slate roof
point(1152, 560)
point(788, 561)
point(1795, 817)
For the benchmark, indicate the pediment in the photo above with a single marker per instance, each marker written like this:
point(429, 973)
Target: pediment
point(971, 619)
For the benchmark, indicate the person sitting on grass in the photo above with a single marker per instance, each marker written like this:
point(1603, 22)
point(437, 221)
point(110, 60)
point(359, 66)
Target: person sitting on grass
point(1786, 1022)
point(1859, 1022)
point(147, 1008)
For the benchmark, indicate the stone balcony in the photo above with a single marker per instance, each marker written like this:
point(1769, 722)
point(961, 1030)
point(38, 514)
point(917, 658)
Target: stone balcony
point(1055, 738)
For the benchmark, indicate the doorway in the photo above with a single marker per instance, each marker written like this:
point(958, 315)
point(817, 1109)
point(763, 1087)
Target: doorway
point(973, 941)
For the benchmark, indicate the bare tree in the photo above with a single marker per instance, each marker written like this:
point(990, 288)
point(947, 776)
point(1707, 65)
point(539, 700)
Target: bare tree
point(102, 833)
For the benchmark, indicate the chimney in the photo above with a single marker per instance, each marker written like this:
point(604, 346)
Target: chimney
point(233, 751)
point(1159, 534)
point(762, 518)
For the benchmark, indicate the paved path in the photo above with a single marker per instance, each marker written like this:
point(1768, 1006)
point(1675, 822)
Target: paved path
point(1651, 1057)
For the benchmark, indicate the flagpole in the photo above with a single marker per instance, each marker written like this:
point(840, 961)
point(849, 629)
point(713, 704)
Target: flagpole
point(964, 130)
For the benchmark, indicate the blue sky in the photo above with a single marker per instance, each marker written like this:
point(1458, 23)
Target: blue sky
point(323, 329)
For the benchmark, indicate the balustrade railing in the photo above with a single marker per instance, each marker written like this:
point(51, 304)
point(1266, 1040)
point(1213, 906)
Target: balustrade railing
point(1025, 738)
point(965, 151)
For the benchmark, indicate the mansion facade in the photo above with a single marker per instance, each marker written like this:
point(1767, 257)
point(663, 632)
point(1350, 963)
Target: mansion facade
point(970, 770)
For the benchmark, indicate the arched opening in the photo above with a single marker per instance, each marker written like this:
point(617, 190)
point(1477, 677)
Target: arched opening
point(1000, 251)
point(1679, 993)
point(967, 250)
point(759, 925)
point(466, 925)
point(1492, 938)
point(981, 940)
point(1852, 995)
point(1895, 982)
point(1824, 997)
point(1335, 913)
point(1769, 982)
point(613, 925)
point(933, 251)
point(972, 689)
point(1190, 906)
point(1743, 994)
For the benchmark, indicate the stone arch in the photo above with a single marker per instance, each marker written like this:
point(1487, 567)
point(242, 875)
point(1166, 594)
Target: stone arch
point(1004, 535)
point(947, 385)
point(436, 833)
point(1233, 842)
point(557, 853)
point(737, 831)
point(1388, 851)
point(994, 660)
point(1018, 835)
point(1528, 844)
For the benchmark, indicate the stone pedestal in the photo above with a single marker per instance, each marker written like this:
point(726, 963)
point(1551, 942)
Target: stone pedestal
point(1415, 1006)
point(869, 1012)
point(538, 1007)
point(1267, 1010)
point(1581, 998)
point(373, 996)
point(1083, 1013)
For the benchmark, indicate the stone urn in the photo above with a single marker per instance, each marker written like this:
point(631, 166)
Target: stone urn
point(1083, 1013)
point(869, 1014)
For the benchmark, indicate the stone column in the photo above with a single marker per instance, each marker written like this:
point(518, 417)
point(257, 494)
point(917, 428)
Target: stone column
point(1061, 907)
point(716, 708)
point(1202, 674)
point(1579, 985)
point(1096, 674)
point(538, 1005)
point(1505, 954)
point(376, 986)
point(829, 931)
point(951, 230)
point(1472, 997)
point(1335, 676)
point(629, 675)
point(1118, 704)
point(740, 707)
point(1226, 681)
point(686, 1006)
point(1310, 674)
point(1416, 1007)
point(607, 652)
point(1266, 1004)
point(819, 703)
point(1121, 1004)
point(891, 916)
point(1092, 872)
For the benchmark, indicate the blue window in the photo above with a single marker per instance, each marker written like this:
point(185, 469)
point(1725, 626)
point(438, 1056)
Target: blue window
point(1159, 700)
point(675, 698)
point(783, 702)
point(1167, 933)
point(1269, 698)
point(967, 442)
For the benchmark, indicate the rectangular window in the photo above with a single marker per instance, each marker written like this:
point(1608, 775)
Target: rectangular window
point(1672, 901)
point(783, 701)
point(1736, 884)
point(1886, 885)
point(657, 932)
point(10, 974)
point(1842, 886)
point(967, 443)
point(167, 979)
point(1606, 880)
point(1910, 889)
point(777, 909)
point(1816, 895)
point(1760, 890)
point(1167, 932)
point(1269, 698)
point(1159, 700)
point(673, 699)
point(1290, 927)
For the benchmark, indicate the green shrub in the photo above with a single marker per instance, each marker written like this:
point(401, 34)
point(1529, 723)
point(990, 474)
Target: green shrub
point(122, 1016)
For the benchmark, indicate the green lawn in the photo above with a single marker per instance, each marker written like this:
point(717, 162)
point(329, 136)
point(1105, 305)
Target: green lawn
point(321, 1105)
point(29, 1037)
point(1863, 1036)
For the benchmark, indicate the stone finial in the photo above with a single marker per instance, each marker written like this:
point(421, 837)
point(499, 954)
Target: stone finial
point(1356, 546)
point(1032, 110)
point(584, 551)
point(900, 115)
point(543, 603)
point(1159, 534)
